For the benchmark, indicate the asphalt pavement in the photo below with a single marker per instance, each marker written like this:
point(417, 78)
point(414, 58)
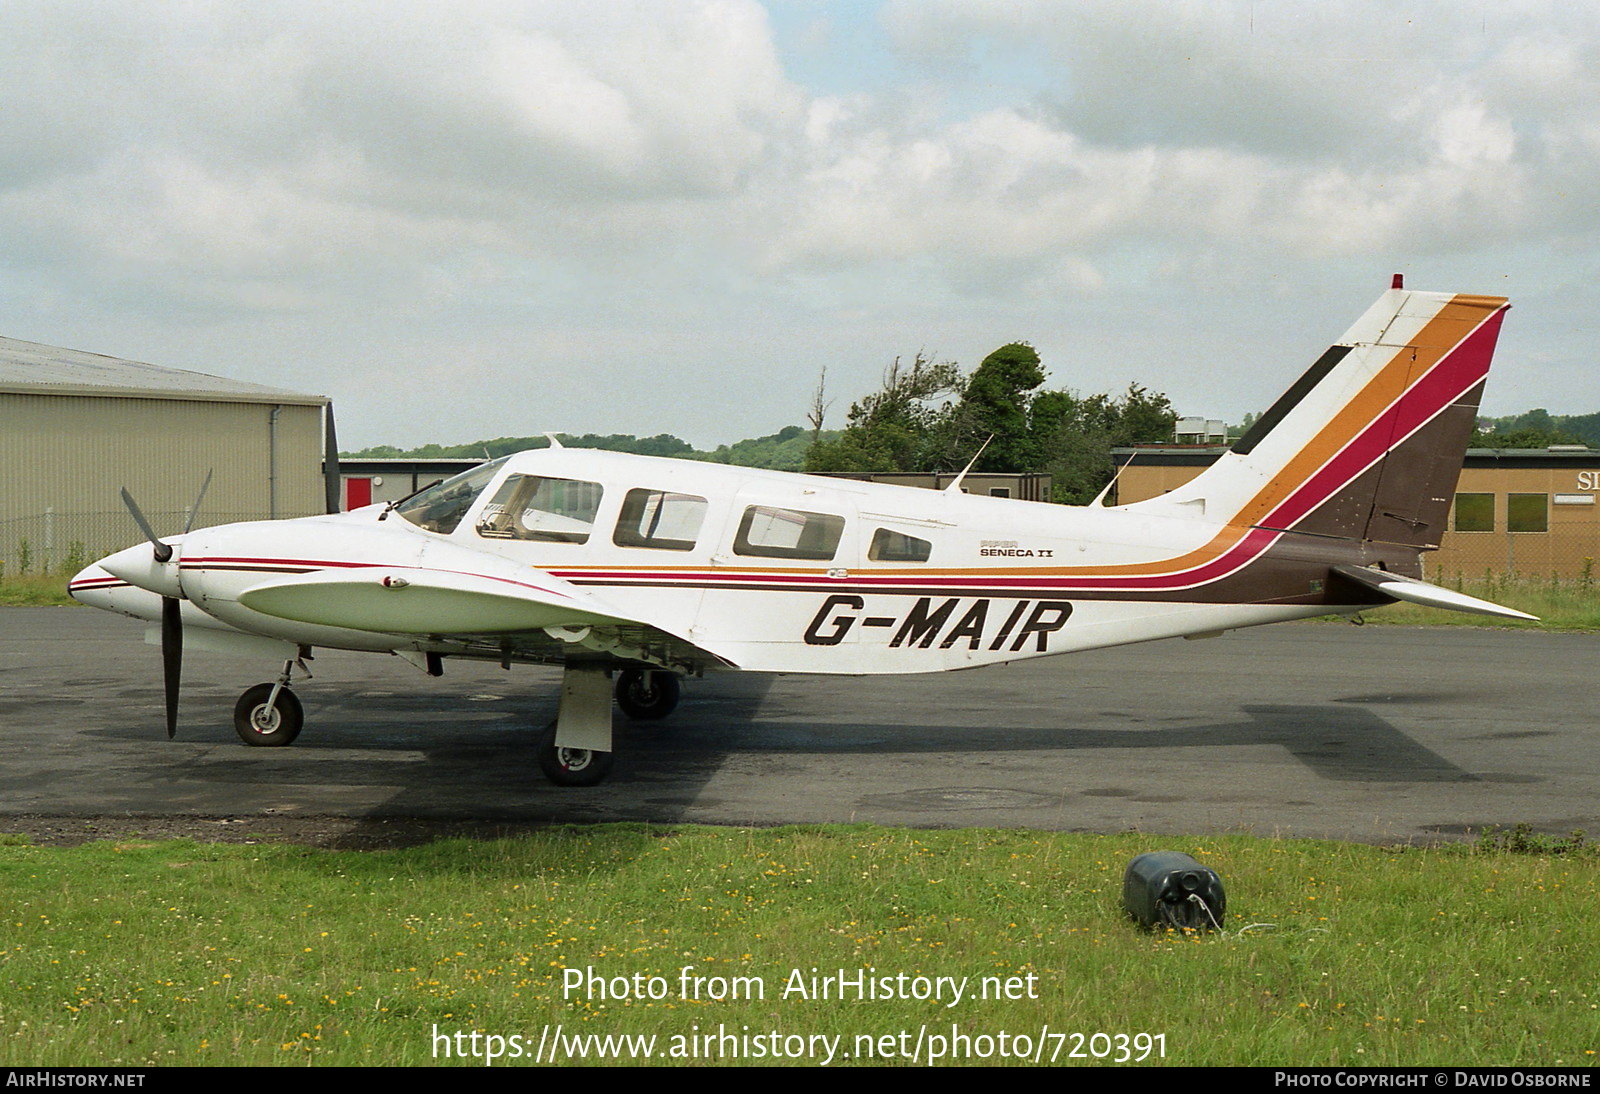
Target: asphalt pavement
point(1367, 733)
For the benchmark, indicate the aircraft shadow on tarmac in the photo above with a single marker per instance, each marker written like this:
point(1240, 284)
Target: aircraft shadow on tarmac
point(473, 754)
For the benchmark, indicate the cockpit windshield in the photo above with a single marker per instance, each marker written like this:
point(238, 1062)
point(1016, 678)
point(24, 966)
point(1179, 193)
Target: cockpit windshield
point(440, 508)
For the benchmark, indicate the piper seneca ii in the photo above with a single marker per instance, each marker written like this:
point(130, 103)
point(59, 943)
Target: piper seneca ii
point(649, 570)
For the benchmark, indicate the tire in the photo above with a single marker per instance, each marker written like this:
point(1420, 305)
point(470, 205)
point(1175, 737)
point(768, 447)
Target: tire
point(572, 766)
point(647, 695)
point(265, 727)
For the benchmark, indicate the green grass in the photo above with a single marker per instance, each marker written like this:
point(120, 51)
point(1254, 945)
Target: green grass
point(140, 953)
point(1561, 605)
point(34, 590)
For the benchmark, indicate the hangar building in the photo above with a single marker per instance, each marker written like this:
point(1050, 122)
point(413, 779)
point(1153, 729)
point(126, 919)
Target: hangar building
point(76, 427)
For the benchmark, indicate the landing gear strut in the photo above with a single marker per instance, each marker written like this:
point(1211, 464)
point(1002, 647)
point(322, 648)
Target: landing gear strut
point(270, 715)
point(575, 749)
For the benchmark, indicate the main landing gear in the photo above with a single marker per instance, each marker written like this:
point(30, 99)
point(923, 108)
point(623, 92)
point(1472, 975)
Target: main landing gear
point(647, 694)
point(572, 766)
point(575, 749)
point(270, 715)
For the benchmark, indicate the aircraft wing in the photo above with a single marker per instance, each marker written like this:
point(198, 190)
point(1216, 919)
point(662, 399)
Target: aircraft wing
point(1420, 592)
point(538, 614)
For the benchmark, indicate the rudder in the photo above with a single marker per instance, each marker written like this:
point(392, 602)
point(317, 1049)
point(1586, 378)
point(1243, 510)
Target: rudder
point(1367, 445)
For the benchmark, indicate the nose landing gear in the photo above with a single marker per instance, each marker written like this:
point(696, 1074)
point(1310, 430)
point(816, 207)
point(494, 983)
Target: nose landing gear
point(270, 715)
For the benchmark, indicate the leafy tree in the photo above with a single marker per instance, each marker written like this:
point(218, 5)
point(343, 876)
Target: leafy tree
point(784, 450)
point(1537, 429)
point(889, 430)
point(994, 407)
point(1075, 435)
point(1522, 438)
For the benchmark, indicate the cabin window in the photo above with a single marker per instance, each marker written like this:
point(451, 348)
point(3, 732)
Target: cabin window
point(1474, 513)
point(1527, 512)
point(440, 507)
point(769, 532)
point(538, 508)
point(660, 519)
point(890, 546)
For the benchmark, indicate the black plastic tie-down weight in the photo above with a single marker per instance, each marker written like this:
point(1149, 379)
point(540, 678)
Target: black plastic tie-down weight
point(1171, 889)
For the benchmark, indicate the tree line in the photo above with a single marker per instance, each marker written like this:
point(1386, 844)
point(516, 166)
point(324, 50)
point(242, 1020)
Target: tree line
point(1537, 429)
point(929, 416)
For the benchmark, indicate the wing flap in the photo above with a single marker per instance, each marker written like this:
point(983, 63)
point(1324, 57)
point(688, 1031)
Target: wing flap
point(406, 600)
point(1420, 592)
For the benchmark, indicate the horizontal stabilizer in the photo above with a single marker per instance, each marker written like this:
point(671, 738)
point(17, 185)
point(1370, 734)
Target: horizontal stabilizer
point(1420, 592)
point(405, 600)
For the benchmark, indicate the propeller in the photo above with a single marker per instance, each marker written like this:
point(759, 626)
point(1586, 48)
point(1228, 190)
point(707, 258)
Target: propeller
point(171, 607)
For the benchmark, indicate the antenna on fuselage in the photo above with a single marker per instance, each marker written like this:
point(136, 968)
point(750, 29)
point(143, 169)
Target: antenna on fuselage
point(955, 487)
point(555, 440)
point(1105, 491)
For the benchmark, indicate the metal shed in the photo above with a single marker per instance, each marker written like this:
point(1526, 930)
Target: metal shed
point(75, 427)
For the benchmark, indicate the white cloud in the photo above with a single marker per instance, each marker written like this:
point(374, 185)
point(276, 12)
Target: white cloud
point(648, 179)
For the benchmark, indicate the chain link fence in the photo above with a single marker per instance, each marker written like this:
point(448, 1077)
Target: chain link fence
point(65, 543)
point(1561, 553)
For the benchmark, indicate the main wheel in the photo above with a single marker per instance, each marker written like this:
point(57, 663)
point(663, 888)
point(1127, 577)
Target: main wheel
point(264, 726)
point(572, 766)
point(647, 694)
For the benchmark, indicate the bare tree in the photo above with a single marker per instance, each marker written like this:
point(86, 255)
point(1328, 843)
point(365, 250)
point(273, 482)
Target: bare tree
point(819, 406)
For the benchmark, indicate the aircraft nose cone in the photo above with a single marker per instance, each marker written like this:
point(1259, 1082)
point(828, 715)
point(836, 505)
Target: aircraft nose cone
point(138, 567)
point(91, 584)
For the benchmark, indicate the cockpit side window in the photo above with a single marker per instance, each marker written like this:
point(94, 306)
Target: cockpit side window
point(660, 519)
point(539, 508)
point(769, 532)
point(890, 546)
point(441, 507)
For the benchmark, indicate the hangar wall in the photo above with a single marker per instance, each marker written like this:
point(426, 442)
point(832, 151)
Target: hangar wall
point(65, 454)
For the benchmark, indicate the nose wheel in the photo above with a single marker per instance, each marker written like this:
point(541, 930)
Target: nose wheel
point(268, 716)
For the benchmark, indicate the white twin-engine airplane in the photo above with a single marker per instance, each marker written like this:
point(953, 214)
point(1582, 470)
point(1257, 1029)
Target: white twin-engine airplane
point(656, 569)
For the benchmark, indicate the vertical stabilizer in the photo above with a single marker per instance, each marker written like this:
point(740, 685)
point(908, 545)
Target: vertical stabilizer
point(1367, 445)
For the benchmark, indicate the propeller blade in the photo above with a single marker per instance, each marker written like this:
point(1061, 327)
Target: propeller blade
point(332, 481)
point(188, 524)
point(171, 658)
point(163, 550)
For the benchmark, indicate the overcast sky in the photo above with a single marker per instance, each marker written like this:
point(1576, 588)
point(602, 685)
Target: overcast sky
point(477, 219)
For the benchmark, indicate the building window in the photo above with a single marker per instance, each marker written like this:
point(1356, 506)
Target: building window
point(1527, 512)
point(1475, 512)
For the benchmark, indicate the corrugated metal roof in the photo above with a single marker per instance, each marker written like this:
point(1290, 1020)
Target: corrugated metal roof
point(50, 370)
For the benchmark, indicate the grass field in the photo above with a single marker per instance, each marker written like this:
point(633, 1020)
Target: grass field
point(140, 953)
point(34, 590)
point(1567, 605)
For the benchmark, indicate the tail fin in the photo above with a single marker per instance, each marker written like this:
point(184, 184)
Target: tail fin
point(1367, 445)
